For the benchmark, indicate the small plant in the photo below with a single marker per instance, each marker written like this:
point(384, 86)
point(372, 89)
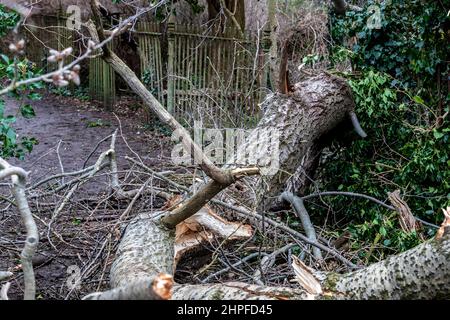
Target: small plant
point(160, 127)
point(98, 123)
point(10, 144)
point(80, 93)
point(8, 19)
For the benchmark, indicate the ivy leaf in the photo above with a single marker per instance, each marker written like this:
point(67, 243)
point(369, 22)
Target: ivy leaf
point(438, 135)
point(383, 231)
point(27, 111)
point(11, 135)
point(418, 100)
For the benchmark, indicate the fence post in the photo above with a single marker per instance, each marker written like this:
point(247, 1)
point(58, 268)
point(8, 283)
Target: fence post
point(266, 45)
point(170, 64)
point(272, 34)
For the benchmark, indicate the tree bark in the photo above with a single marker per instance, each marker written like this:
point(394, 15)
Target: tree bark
point(300, 119)
point(420, 273)
point(146, 251)
point(297, 121)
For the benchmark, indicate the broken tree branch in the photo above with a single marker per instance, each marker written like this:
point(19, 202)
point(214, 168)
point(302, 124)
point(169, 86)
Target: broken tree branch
point(302, 213)
point(359, 130)
point(158, 288)
point(202, 197)
point(152, 104)
point(269, 260)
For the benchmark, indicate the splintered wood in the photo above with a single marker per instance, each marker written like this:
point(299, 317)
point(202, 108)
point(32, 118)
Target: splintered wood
point(445, 225)
point(203, 227)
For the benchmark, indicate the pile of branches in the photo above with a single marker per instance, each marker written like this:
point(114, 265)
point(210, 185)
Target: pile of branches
point(79, 218)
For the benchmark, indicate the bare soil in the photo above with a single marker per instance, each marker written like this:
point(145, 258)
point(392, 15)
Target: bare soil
point(77, 126)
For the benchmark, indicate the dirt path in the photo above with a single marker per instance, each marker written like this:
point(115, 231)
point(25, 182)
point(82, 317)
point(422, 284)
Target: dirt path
point(80, 126)
point(85, 225)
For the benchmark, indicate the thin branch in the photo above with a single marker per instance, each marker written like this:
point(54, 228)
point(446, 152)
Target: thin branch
point(299, 208)
point(269, 260)
point(229, 267)
point(349, 194)
point(359, 130)
point(92, 48)
point(245, 213)
point(358, 195)
point(18, 177)
point(60, 161)
point(232, 17)
point(211, 170)
point(5, 275)
point(20, 9)
point(341, 6)
point(202, 197)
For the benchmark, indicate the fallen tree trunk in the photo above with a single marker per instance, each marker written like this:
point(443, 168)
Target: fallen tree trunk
point(296, 121)
point(420, 273)
point(146, 251)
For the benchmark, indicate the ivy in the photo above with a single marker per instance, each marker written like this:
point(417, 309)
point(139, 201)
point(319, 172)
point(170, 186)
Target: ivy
point(10, 144)
point(8, 20)
point(398, 101)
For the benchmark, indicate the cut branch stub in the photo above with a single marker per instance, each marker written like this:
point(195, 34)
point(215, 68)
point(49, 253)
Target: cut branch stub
point(159, 288)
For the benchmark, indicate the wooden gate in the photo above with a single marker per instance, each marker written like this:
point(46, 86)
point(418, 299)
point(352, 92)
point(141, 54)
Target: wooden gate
point(51, 32)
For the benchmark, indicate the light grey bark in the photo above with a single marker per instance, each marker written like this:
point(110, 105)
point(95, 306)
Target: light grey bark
point(5, 275)
point(420, 273)
point(317, 106)
point(236, 291)
point(302, 213)
point(18, 178)
point(145, 289)
point(145, 251)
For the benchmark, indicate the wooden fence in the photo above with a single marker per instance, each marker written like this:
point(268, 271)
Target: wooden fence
point(49, 32)
point(151, 58)
point(102, 80)
point(207, 76)
point(197, 73)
